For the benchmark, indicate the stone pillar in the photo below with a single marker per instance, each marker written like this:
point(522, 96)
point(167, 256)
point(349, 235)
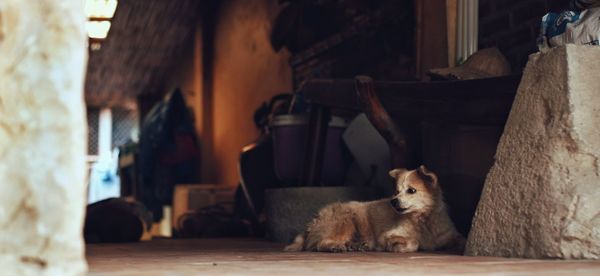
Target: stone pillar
point(541, 198)
point(43, 55)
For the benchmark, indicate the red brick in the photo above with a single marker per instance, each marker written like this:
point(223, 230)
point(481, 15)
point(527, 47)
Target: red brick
point(530, 10)
point(494, 25)
point(558, 5)
point(487, 43)
point(508, 4)
point(485, 8)
point(516, 38)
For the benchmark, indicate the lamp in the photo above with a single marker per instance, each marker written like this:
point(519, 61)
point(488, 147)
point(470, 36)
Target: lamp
point(99, 14)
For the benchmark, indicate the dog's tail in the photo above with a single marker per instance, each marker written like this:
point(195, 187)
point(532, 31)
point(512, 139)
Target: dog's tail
point(297, 245)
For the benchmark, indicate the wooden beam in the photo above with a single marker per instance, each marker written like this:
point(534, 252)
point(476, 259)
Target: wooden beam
point(430, 36)
point(474, 101)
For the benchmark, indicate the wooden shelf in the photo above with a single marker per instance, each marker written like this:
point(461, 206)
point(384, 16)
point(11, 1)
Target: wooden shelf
point(474, 101)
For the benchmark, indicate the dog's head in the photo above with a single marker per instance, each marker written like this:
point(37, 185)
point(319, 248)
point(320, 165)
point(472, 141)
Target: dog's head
point(416, 190)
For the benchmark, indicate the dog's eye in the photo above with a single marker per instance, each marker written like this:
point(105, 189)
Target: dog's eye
point(411, 190)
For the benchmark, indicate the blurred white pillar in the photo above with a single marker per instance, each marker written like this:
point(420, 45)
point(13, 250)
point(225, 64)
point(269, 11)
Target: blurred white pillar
point(43, 55)
point(105, 132)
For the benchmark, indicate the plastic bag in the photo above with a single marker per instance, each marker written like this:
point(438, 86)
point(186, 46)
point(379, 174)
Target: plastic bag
point(570, 27)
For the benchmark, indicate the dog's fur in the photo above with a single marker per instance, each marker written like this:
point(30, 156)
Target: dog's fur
point(415, 218)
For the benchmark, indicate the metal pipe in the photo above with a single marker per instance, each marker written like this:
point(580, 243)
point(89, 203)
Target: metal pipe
point(467, 28)
point(460, 30)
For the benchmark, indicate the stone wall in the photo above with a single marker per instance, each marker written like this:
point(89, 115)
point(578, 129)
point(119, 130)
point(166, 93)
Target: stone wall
point(540, 199)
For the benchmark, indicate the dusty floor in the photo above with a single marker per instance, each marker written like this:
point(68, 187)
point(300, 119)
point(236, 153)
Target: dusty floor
point(254, 257)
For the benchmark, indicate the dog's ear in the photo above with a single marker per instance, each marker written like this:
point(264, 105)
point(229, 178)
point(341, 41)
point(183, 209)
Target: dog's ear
point(396, 173)
point(427, 175)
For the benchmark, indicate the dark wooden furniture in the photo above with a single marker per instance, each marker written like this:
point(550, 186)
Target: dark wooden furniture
point(483, 103)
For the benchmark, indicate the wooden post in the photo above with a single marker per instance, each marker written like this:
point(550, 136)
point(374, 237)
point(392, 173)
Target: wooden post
point(42, 137)
point(431, 49)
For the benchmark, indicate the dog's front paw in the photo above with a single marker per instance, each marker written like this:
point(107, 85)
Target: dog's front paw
point(400, 248)
point(332, 247)
point(362, 247)
point(402, 245)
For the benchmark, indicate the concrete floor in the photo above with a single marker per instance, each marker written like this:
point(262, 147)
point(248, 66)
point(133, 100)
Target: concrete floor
point(256, 257)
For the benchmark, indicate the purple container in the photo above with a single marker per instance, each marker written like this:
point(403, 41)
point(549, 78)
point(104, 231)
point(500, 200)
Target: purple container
point(289, 142)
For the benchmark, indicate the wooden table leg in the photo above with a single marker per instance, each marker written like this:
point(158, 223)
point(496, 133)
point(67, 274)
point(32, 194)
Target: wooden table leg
point(381, 120)
point(315, 148)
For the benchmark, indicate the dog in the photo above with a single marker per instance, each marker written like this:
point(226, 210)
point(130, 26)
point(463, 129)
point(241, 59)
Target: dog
point(415, 218)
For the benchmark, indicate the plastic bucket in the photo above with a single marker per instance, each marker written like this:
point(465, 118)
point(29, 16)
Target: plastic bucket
point(289, 144)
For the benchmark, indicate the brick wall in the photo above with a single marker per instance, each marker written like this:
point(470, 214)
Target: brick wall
point(513, 26)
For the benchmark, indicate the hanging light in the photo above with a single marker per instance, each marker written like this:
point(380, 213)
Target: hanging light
point(101, 9)
point(99, 14)
point(98, 29)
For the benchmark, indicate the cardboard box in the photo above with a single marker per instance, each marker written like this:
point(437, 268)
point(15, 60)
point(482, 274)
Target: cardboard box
point(189, 197)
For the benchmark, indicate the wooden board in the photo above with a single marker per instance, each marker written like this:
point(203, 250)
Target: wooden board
point(472, 101)
point(258, 257)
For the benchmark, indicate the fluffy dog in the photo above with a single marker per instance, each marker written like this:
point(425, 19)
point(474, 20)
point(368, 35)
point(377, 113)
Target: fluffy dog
point(415, 218)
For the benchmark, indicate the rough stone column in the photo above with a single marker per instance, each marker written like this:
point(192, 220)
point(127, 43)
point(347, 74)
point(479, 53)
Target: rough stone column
point(43, 55)
point(542, 196)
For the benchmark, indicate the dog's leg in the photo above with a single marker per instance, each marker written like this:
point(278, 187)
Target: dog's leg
point(401, 244)
point(362, 239)
point(338, 239)
point(331, 246)
point(332, 230)
point(297, 245)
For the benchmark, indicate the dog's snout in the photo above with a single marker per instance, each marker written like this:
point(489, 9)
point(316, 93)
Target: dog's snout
point(395, 203)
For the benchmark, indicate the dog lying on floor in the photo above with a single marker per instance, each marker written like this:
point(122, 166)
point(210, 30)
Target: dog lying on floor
point(415, 218)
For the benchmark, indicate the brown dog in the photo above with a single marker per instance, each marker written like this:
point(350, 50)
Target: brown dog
point(414, 219)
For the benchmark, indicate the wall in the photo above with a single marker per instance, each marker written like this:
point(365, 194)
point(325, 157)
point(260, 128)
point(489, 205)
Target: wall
point(513, 26)
point(227, 71)
point(246, 72)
